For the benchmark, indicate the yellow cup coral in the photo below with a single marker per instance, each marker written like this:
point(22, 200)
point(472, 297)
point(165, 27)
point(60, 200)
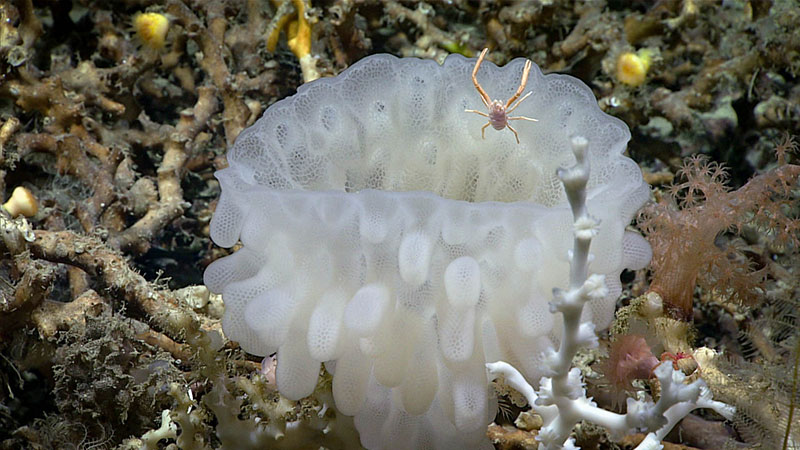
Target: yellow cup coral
point(151, 28)
point(632, 67)
point(21, 203)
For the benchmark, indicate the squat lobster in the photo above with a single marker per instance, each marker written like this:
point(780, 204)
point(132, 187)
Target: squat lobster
point(498, 112)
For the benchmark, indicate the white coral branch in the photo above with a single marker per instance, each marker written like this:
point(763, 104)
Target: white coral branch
point(561, 399)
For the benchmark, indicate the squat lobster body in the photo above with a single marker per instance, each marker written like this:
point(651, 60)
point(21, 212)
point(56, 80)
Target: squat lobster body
point(498, 111)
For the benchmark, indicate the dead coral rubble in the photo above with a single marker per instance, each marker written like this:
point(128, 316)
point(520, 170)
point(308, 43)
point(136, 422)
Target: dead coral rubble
point(105, 140)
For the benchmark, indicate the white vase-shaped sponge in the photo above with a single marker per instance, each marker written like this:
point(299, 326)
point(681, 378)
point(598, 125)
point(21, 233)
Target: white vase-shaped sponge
point(382, 236)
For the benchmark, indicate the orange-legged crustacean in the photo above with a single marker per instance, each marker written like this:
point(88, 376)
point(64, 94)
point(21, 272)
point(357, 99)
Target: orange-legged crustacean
point(498, 111)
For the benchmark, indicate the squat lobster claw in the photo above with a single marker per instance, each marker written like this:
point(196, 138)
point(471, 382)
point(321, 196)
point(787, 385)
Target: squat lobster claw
point(498, 112)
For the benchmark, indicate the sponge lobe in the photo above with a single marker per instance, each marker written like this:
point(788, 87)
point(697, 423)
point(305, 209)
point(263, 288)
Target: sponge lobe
point(462, 282)
point(366, 310)
point(384, 236)
point(269, 315)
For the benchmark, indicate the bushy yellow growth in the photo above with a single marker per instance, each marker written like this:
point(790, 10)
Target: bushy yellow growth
point(632, 67)
point(151, 28)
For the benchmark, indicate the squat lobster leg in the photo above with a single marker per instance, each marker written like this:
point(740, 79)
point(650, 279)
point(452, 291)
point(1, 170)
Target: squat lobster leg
point(498, 112)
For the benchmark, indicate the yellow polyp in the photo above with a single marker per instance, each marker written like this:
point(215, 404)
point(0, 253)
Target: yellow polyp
point(151, 28)
point(632, 67)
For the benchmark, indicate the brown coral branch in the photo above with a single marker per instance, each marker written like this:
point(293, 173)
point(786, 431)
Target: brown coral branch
point(46, 97)
point(105, 265)
point(109, 269)
point(71, 151)
point(171, 204)
point(430, 32)
point(236, 113)
point(585, 31)
point(30, 291)
point(31, 27)
point(8, 129)
point(88, 81)
point(679, 106)
point(510, 438)
point(51, 316)
point(64, 95)
point(178, 351)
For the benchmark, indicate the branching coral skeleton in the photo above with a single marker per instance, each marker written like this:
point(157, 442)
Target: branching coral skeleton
point(498, 112)
point(561, 399)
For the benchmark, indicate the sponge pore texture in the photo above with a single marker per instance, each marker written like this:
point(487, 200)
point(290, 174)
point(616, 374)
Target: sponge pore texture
point(382, 236)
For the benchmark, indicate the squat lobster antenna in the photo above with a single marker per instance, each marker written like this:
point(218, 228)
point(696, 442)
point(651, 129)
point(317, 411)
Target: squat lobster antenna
point(498, 111)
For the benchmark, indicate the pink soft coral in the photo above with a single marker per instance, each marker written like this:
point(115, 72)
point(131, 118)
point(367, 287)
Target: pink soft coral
point(684, 224)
